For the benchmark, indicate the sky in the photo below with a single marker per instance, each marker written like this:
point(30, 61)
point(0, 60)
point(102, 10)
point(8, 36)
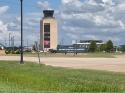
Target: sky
point(77, 20)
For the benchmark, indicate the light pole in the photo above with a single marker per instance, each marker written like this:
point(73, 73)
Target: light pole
point(21, 60)
point(9, 38)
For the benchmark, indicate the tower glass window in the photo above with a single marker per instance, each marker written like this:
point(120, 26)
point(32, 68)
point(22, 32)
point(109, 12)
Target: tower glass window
point(47, 35)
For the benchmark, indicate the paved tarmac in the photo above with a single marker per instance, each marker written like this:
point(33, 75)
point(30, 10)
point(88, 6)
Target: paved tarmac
point(108, 64)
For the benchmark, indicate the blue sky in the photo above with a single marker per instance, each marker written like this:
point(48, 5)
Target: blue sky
point(77, 19)
point(29, 5)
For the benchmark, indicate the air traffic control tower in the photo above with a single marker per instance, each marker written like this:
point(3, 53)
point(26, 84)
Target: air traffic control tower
point(48, 31)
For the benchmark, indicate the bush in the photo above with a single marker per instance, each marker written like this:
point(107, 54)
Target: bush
point(7, 51)
point(52, 51)
point(28, 50)
point(17, 51)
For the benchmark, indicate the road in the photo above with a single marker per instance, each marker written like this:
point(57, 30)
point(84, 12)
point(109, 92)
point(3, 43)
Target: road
point(108, 64)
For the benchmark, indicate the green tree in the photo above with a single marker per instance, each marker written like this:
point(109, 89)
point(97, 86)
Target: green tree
point(102, 47)
point(122, 48)
point(34, 48)
point(109, 46)
point(93, 47)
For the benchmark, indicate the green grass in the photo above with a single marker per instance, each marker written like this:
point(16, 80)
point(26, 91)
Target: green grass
point(119, 53)
point(35, 78)
point(81, 55)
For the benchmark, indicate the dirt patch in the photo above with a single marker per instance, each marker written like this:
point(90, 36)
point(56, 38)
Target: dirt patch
point(2, 52)
point(120, 56)
point(108, 64)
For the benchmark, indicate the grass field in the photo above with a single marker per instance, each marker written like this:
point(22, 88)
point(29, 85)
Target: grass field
point(35, 78)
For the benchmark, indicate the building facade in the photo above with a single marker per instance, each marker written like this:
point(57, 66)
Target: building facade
point(48, 31)
point(80, 47)
point(86, 43)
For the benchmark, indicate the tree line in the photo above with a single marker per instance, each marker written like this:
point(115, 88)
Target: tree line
point(107, 47)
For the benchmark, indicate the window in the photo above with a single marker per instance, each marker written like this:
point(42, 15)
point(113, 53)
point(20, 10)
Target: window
point(47, 35)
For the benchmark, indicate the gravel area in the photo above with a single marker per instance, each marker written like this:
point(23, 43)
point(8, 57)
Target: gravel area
point(109, 64)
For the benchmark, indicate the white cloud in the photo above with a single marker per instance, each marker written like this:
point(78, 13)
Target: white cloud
point(121, 24)
point(4, 32)
point(70, 35)
point(93, 37)
point(92, 2)
point(68, 1)
point(93, 19)
point(78, 19)
point(3, 9)
point(44, 5)
point(109, 2)
point(3, 27)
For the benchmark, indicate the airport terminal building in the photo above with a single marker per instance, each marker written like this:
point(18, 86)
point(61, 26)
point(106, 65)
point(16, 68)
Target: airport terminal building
point(80, 47)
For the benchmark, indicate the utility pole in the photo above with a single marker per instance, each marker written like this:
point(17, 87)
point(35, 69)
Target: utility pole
point(37, 49)
point(27, 45)
point(9, 38)
point(62, 41)
point(13, 43)
point(21, 59)
point(5, 42)
point(76, 47)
